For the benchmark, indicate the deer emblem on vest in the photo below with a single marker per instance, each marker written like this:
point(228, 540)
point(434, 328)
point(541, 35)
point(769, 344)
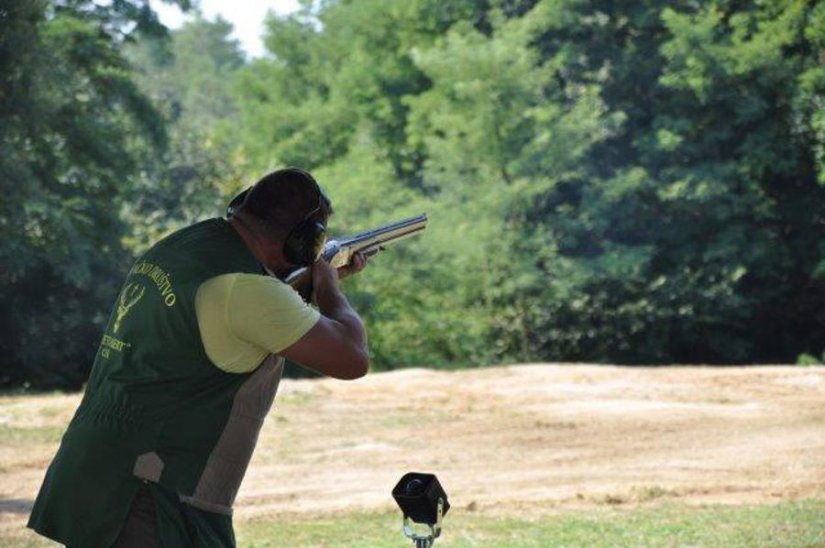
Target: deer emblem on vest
point(132, 293)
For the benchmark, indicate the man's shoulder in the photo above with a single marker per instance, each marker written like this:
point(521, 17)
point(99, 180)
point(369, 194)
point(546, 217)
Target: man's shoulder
point(202, 230)
point(248, 286)
point(202, 250)
point(241, 291)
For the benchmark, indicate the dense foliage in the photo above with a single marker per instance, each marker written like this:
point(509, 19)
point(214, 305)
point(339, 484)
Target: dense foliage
point(636, 182)
point(73, 126)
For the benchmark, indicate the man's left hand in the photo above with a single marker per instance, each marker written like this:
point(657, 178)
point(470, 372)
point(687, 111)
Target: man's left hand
point(356, 265)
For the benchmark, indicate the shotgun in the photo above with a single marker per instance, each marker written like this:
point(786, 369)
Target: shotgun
point(339, 252)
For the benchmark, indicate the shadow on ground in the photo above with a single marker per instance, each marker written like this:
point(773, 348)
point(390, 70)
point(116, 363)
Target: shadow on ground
point(16, 506)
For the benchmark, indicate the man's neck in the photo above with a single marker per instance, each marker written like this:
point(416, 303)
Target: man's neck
point(267, 254)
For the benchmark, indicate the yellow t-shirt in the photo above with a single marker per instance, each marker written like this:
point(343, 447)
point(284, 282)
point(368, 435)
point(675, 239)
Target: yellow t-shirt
point(245, 317)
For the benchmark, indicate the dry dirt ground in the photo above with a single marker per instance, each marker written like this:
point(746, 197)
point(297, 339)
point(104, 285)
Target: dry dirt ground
point(527, 439)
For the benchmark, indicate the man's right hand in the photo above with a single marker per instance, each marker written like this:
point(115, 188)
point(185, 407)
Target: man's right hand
point(337, 344)
point(324, 276)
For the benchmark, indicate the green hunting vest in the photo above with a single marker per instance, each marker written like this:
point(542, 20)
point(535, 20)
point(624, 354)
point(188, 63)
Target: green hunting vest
point(156, 409)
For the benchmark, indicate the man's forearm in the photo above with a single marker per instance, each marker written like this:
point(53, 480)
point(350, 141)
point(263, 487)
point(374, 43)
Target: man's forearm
point(334, 305)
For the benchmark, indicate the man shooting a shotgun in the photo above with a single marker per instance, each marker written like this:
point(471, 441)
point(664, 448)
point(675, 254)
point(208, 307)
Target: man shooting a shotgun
point(188, 367)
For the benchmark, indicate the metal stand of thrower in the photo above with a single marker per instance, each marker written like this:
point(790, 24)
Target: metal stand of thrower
point(426, 540)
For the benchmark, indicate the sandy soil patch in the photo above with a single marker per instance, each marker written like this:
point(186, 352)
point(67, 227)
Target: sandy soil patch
point(523, 439)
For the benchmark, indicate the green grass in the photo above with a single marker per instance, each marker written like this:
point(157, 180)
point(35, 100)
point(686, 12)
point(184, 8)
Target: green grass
point(14, 435)
point(786, 525)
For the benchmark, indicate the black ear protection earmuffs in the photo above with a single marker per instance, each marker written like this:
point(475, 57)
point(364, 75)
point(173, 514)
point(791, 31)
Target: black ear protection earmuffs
point(304, 243)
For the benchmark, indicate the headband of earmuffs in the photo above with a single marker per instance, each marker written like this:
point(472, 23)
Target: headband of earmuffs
point(304, 243)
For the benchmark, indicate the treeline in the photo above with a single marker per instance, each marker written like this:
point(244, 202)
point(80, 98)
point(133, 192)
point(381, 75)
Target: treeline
point(635, 182)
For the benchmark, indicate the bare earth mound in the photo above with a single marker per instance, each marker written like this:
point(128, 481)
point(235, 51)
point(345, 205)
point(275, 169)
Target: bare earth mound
point(529, 439)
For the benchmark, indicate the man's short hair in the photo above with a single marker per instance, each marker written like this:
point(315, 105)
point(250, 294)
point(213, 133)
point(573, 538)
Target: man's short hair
point(283, 198)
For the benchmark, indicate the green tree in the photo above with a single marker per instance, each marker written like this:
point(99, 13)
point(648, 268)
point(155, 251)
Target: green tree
point(73, 125)
point(690, 224)
point(189, 77)
point(627, 182)
point(495, 146)
point(741, 116)
point(636, 182)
